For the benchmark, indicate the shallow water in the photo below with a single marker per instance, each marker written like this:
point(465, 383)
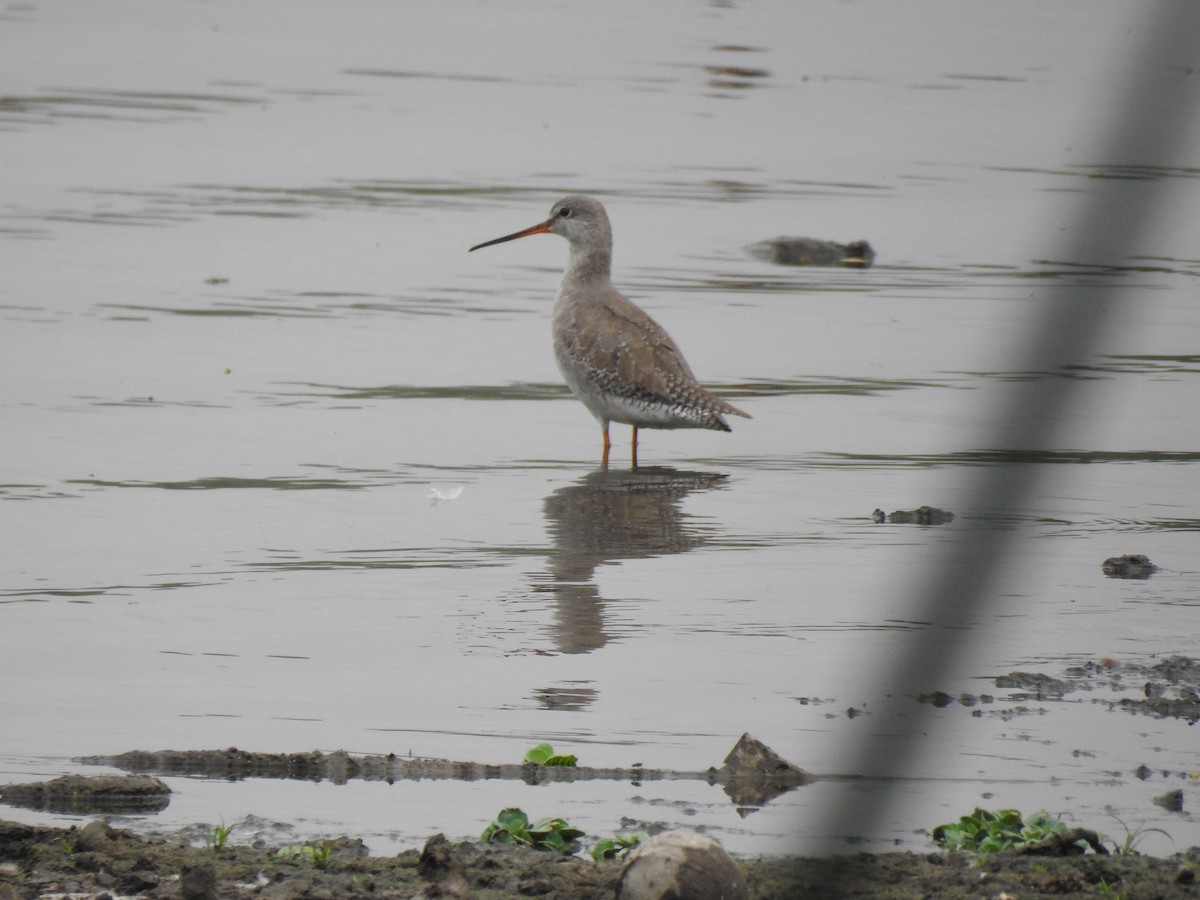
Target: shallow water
point(244, 351)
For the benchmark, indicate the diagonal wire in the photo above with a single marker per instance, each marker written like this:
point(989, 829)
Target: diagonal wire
point(1148, 127)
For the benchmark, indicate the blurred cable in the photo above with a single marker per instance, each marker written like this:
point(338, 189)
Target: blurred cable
point(1147, 132)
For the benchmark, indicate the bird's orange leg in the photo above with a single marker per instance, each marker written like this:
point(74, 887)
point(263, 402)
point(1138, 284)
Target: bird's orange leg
point(635, 446)
point(607, 447)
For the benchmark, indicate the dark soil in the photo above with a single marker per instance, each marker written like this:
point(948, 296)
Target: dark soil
point(98, 862)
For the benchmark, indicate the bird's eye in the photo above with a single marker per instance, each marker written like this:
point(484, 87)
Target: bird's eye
point(565, 212)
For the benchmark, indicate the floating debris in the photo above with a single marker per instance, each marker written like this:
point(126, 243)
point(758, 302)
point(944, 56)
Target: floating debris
point(1134, 565)
point(802, 251)
point(925, 515)
point(445, 493)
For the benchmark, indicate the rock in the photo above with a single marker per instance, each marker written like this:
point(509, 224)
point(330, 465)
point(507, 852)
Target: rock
point(1171, 800)
point(1133, 565)
point(751, 757)
point(95, 837)
point(441, 866)
point(681, 865)
point(754, 774)
point(802, 251)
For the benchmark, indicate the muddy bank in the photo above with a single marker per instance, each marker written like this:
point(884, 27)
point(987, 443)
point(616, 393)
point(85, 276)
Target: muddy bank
point(98, 861)
point(751, 774)
point(82, 794)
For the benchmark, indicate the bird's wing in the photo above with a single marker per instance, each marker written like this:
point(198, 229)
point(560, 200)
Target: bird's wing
point(625, 351)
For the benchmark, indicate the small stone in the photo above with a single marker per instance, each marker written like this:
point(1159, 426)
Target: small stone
point(1171, 800)
point(750, 757)
point(939, 699)
point(199, 883)
point(94, 837)
point(441, 865)
point(681, 865)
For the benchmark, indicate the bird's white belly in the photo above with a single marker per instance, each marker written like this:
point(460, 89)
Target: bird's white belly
point(610, 407)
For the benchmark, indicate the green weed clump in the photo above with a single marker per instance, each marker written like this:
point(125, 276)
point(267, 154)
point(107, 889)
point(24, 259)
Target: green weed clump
point(512, 826)
point(543, 755)
point(617, 846)
point(984, 831)
point(319, 855)
point(218, 837)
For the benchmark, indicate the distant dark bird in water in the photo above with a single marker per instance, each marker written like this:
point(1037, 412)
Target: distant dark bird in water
point(802, 251)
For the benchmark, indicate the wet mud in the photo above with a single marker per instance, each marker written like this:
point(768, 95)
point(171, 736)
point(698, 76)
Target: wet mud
point(1166, 689)
point(97, 861)
point(751, 775)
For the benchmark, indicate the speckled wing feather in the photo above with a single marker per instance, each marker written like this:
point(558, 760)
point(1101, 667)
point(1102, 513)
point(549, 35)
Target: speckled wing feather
point(622, 351)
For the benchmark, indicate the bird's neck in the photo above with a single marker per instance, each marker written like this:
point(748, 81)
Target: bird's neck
point(588, 265)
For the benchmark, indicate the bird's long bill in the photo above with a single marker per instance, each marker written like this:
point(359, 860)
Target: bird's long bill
point(543, 228)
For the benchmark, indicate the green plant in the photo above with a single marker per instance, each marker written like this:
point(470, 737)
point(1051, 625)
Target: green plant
point(319, 856)
point(617, 845)
point(218, 837)
point(1107, 890)
point(68, 843)
point(543, 755)
point(984, 831)
point(512, 826)
point(1128, 846)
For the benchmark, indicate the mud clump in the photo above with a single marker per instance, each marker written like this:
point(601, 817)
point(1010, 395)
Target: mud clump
point(94, 793)
point(1034, 686)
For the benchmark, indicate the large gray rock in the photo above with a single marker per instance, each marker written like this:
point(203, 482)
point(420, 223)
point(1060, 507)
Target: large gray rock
point(681, 865)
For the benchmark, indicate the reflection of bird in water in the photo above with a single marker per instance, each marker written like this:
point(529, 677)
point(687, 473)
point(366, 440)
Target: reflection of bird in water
point(608, 516)
point(617, 360)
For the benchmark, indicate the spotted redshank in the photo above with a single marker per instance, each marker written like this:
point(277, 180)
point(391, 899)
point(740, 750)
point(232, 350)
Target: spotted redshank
point(619, 362)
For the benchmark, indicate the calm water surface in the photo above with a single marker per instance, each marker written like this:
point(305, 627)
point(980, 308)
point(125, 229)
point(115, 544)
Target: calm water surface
point(244, 351)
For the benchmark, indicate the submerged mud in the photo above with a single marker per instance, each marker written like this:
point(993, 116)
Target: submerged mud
point(751, 775)
point(1166, 689)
